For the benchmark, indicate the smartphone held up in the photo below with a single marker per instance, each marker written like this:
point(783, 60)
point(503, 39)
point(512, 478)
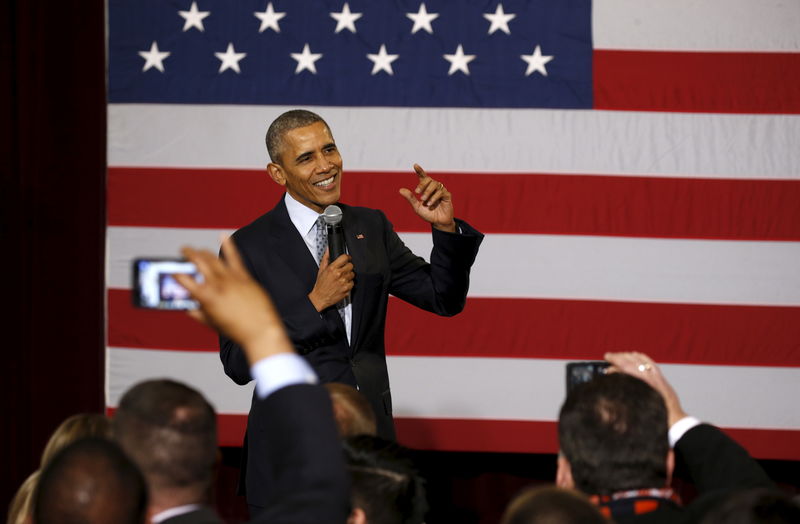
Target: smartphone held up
point(580, 372)
point(154, 286)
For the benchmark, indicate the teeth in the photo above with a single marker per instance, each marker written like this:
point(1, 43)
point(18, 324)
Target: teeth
point(323, 183)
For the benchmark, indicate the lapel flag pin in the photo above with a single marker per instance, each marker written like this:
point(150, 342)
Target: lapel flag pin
point(360, 236)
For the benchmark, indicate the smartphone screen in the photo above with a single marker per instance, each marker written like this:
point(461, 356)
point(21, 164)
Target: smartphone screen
point(580, 372)
point(154, 287)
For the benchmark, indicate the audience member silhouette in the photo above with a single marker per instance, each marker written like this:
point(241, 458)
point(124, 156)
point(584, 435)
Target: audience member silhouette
point(90, 481)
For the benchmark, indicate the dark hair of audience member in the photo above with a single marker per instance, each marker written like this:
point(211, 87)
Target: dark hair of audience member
point(354, 415)
point(90, 481)
point(613, 432)
point(75, 427)
point(756, 506)
point(551, 505)
point(385, 484)
point(170, 432)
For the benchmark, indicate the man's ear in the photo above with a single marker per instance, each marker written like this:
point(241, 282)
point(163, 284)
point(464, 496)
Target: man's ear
point(276, 173)
point(564, 473)
point(357, 516)
point(670, 465)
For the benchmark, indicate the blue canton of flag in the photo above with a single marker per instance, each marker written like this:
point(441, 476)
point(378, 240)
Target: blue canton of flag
point(357, 53)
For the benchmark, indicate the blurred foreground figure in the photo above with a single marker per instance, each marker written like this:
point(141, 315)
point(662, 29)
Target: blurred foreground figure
point(386, 487)
point(552, 505)
point(170, 431)
point(91, 482)
point(354, 415)
point(756, 506)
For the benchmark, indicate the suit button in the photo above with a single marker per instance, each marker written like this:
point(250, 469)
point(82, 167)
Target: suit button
point(352, 363)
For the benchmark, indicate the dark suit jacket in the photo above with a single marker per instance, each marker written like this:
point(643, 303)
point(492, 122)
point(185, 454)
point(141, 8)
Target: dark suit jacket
point(278, 258)
point(717, 466)
point(302, 458)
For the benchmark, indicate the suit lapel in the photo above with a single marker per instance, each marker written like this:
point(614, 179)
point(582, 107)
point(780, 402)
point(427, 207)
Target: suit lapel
point(358, 251)
point(286, 240)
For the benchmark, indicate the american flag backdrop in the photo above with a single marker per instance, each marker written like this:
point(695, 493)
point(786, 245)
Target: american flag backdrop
point(635, 165)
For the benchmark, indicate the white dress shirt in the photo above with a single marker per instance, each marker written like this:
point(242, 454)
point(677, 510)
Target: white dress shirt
point(305, 220)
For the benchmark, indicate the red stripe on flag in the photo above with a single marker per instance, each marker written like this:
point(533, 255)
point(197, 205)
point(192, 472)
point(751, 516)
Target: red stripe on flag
point(586, 329)
point(501, 436)
point(495, 203)
point(530, 328)
point(518, 436)
point(705, 82)
point(133, 327)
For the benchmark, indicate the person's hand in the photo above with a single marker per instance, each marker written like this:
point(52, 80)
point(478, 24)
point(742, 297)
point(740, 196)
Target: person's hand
point(334, 281)
point(233, 303)
point(644, 368)
point(431, 201)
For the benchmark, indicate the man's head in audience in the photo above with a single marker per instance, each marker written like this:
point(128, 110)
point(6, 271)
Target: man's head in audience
point(354, 415)
point(386, 488)
point(90, 481)
point(552, 505)
point(613, 437)
point(170, 432)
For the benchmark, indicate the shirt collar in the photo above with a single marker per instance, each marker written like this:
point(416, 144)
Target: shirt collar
point(301, 216)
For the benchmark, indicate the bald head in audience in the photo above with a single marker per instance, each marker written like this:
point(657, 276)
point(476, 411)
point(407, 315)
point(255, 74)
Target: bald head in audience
point(91, 481)
point(552, 505)
point(354, 415)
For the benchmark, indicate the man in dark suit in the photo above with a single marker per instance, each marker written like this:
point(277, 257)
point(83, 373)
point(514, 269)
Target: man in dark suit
point(335, 310)
point(301, 447)
point(621, 434)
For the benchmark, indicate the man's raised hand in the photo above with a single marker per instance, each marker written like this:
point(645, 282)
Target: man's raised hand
point(643, 367)
point(233, 303)
point(431, 201)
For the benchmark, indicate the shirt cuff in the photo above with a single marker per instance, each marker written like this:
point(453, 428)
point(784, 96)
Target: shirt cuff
point(281, 370)
point(680, 428)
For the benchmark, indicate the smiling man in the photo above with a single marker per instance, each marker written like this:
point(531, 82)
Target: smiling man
point(345, 343)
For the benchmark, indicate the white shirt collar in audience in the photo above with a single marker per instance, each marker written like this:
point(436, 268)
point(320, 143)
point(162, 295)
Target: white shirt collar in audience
point(680, 428)
point(281, 370)
point(174, 512)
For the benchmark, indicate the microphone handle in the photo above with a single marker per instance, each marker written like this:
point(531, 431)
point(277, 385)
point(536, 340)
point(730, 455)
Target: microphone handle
point(336, 243)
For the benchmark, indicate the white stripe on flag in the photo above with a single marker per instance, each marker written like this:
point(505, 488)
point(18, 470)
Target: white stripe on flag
point(200, 369)
point(689, 25)
point(471, 140)
point(563, 267)
point(491, 388)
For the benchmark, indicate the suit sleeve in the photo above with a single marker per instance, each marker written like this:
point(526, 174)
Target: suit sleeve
point(441, 286)
point(303, 456)
point(716, 462)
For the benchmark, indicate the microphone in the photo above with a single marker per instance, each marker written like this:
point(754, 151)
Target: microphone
point(333, 220)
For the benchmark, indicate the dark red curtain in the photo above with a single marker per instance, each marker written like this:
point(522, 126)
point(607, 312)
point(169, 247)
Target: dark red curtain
point(52, 206)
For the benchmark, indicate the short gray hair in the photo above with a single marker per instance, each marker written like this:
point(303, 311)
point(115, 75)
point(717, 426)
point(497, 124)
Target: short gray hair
point(285, 123)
